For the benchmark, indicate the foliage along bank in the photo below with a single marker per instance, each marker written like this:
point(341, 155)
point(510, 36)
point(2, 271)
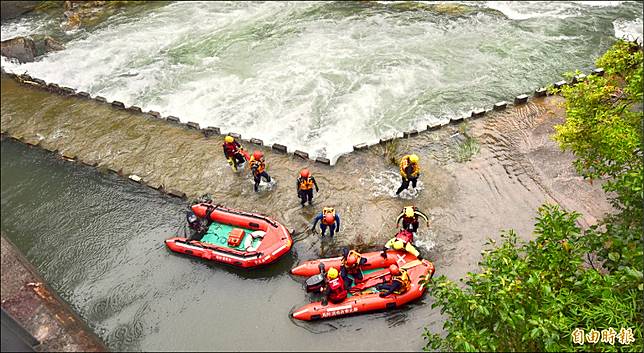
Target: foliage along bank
point(569, 289)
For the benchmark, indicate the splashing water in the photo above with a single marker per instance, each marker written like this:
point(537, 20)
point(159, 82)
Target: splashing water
point(324, 76)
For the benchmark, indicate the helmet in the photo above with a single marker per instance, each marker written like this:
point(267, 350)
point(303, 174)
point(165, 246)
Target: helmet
point(398, 244)
point(333, 273)
point(229, 139)
point(351, 260)
point(258, 155)
point(305, 173)
point(413, 158)
point(394, 270)
point(409, 211)
point(328, 218)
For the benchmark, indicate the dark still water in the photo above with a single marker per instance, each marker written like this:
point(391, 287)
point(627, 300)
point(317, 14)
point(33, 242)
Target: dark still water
point(98, 240)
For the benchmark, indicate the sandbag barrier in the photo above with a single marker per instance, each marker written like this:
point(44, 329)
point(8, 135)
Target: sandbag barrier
point(211, 131)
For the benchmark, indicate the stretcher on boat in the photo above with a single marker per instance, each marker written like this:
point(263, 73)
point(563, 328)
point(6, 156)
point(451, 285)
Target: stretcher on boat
point(235, 237)
point(363, 296)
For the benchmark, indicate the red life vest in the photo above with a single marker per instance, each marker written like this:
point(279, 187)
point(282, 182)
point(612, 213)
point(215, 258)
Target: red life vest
point(406, 236)
point(230, 149)
point(337, 292)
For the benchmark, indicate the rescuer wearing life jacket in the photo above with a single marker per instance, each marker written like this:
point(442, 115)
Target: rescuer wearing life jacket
point(351, 262)
point(305, 183)
point(258, 167)
point(409, 171)
point(409, 216)
point(398, 284)
point(329, 218)
point(403, 240)
point(333, 288)
point(232, 152)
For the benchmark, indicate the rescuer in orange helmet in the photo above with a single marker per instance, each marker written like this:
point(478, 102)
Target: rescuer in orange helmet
point(258, 167)
point(329, 220)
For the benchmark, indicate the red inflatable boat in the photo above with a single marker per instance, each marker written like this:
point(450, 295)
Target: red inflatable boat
point(235, 237)
point(364, 297)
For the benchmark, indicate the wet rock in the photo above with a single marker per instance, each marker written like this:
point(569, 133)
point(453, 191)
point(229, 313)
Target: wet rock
point(19, 48)
point(52, 45)
point(13, 9)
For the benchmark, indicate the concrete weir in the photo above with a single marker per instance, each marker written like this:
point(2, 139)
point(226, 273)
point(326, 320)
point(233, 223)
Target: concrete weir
point(162, 129)
point(35, 307)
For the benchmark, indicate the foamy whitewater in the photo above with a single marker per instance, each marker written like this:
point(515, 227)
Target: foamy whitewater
point(322, 76)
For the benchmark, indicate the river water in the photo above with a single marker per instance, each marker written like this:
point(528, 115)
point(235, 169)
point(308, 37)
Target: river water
point(98, 240)
point(315, 76)
point(324, 76)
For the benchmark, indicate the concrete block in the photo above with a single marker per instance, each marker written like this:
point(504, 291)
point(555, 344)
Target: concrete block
point(323, 160)
point(68, 156)
point(40, 82)
point(410, 133)
point(154, 114)
point(211, 131)
point(521, 99)
point(478, 113)
point(279, 148)
point(83, 94)
point(257, 141)
point(177, 193)
point(114, 170)
point(578, 78)
point(26, 77)
point(434, 126)
point(100, 99)
point(360, 146)
point(67, 90)
point(456, 120)
point(173, 119)
point(235, 135)
point(540, 92)
point(598, 71)
point(53, 87)
point(90, 163)
point(386, 139)
point(192, 125)
point(560, 84)
point(135, 178)
point(301, 154)
point(154, 185)
point(118, 104)
point(135, 109)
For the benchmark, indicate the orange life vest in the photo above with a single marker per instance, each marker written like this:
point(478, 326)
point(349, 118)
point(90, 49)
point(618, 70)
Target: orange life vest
point(261, 166)
point(326, 211)
point(306, 184)
point(352, 268)
point(404, 280)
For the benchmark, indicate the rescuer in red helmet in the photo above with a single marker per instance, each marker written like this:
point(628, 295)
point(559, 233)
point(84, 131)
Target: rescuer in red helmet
point(351, 262)
point(305, 182)
point(329, 220)
point(258, 167)
point(398, 284)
